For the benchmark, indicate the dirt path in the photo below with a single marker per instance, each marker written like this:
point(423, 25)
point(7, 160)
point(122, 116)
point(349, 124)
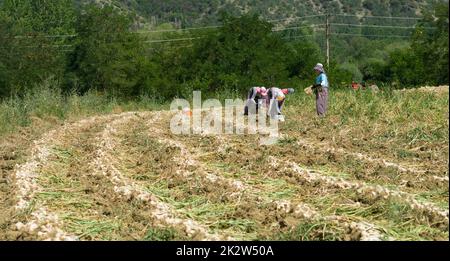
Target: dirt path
point(164, 213)
point(43, 223)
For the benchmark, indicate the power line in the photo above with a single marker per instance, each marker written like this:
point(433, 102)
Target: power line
point(40, 36)
point(173, 40)
point(382, 17)
point(300, 36)
point(49, 36)
point(173, 47)
point(297, 27)
point(45, 46)
point(217, 26)
point(177, 30)
point(195, 38)
point(220, 26)
point(55, 48)
point(198, 28)
point(296, 18)
point(276, 30)
point(377, 26)
point(168, 30)
point(182, 39)
point(370, 35)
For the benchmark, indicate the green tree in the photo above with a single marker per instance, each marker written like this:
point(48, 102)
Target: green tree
point(243, 53)
point(42, 16)
point(430, 44)
point(108, 56)
point(426, 60)
point(352, 70)
point(33, 38)
point(375, 69)
point(405, 67)
point(303, 56)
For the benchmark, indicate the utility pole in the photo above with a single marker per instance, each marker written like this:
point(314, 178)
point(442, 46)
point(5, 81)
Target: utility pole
point(327, 32)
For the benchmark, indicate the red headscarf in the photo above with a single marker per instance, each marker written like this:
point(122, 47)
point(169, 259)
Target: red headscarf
point(262, 91)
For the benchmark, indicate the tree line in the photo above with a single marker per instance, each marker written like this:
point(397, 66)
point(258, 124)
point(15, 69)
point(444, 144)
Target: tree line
point(89, 48)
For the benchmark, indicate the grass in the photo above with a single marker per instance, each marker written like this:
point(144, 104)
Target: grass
point(68, 192)
point(391, 117)
point(439, 196)
point(64, 193)
point(89, 229)
point(277, 189)
point(313, 231)
point(196, 207)
point(271, 189)
point(203, 210)
point(187, 198)
point(245, 225)
point(393, 218)
point(162, 234)
point(45, 103)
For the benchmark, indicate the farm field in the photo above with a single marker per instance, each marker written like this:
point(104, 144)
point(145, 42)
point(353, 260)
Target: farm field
point(376, 168)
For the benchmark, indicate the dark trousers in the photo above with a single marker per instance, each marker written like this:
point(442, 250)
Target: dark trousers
point(252, 97)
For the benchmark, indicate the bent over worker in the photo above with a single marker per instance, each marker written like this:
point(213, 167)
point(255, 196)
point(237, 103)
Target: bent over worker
point(255, 98)
point(275, 101)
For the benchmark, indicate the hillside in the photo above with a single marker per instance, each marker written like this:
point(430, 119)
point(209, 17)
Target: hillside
point(190, 12)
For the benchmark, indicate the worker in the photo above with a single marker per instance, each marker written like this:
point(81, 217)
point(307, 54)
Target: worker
point(255, 98)
point(275, 101)
point(355, 85)
point(320, 88)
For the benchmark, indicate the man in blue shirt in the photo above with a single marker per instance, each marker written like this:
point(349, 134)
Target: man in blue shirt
point(320, 88)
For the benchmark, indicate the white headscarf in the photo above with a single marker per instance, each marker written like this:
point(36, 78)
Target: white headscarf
point(319, 67)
